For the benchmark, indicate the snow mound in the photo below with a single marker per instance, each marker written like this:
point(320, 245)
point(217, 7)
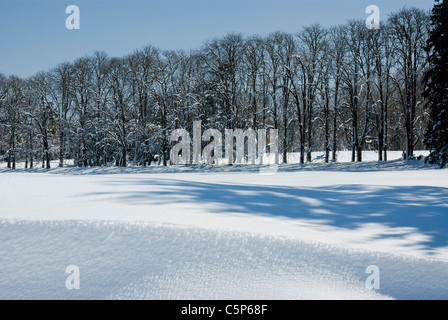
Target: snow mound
point(306, 232)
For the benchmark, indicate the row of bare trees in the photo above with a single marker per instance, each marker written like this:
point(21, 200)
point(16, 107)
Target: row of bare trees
point(326, 89)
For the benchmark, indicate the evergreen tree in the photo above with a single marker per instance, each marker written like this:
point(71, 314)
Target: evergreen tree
point(436, 91)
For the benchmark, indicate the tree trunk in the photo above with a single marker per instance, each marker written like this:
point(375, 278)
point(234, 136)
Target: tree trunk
point(31, 151)
point(61, 147)
point(46, 151)
point(334, 156)
point(123, 157)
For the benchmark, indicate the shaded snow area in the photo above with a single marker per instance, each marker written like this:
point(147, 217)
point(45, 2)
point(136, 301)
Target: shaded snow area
point(305, 232)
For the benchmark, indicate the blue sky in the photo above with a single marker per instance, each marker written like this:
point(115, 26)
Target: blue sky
point(33, 36)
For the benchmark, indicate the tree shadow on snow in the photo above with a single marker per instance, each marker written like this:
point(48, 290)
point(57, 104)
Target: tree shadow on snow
point(420, 209)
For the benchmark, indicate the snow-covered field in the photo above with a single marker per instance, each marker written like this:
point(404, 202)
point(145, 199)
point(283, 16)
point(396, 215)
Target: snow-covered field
point(227, 232)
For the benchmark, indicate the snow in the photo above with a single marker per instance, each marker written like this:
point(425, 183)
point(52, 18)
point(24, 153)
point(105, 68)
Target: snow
point(227, 232)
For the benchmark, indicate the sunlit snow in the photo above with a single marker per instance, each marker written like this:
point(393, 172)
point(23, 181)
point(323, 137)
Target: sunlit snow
point(228, 232)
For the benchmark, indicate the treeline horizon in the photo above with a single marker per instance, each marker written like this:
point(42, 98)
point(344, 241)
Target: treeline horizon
point(344, 87)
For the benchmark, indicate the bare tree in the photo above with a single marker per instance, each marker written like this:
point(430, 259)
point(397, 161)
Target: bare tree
point(41, 111)
point(13, 100)
point(61, 96)
point(100, 95)
point(83, 97)
point(337, 56)
point(118, 81)
point(409, 29)
point(312, 51)
point(253, 61)
point(352, 77)
point(223, 58)
point(142, 72)
point(287, 53)
point(383, 56)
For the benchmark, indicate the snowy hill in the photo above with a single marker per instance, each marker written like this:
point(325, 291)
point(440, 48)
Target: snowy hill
point(307, 232)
